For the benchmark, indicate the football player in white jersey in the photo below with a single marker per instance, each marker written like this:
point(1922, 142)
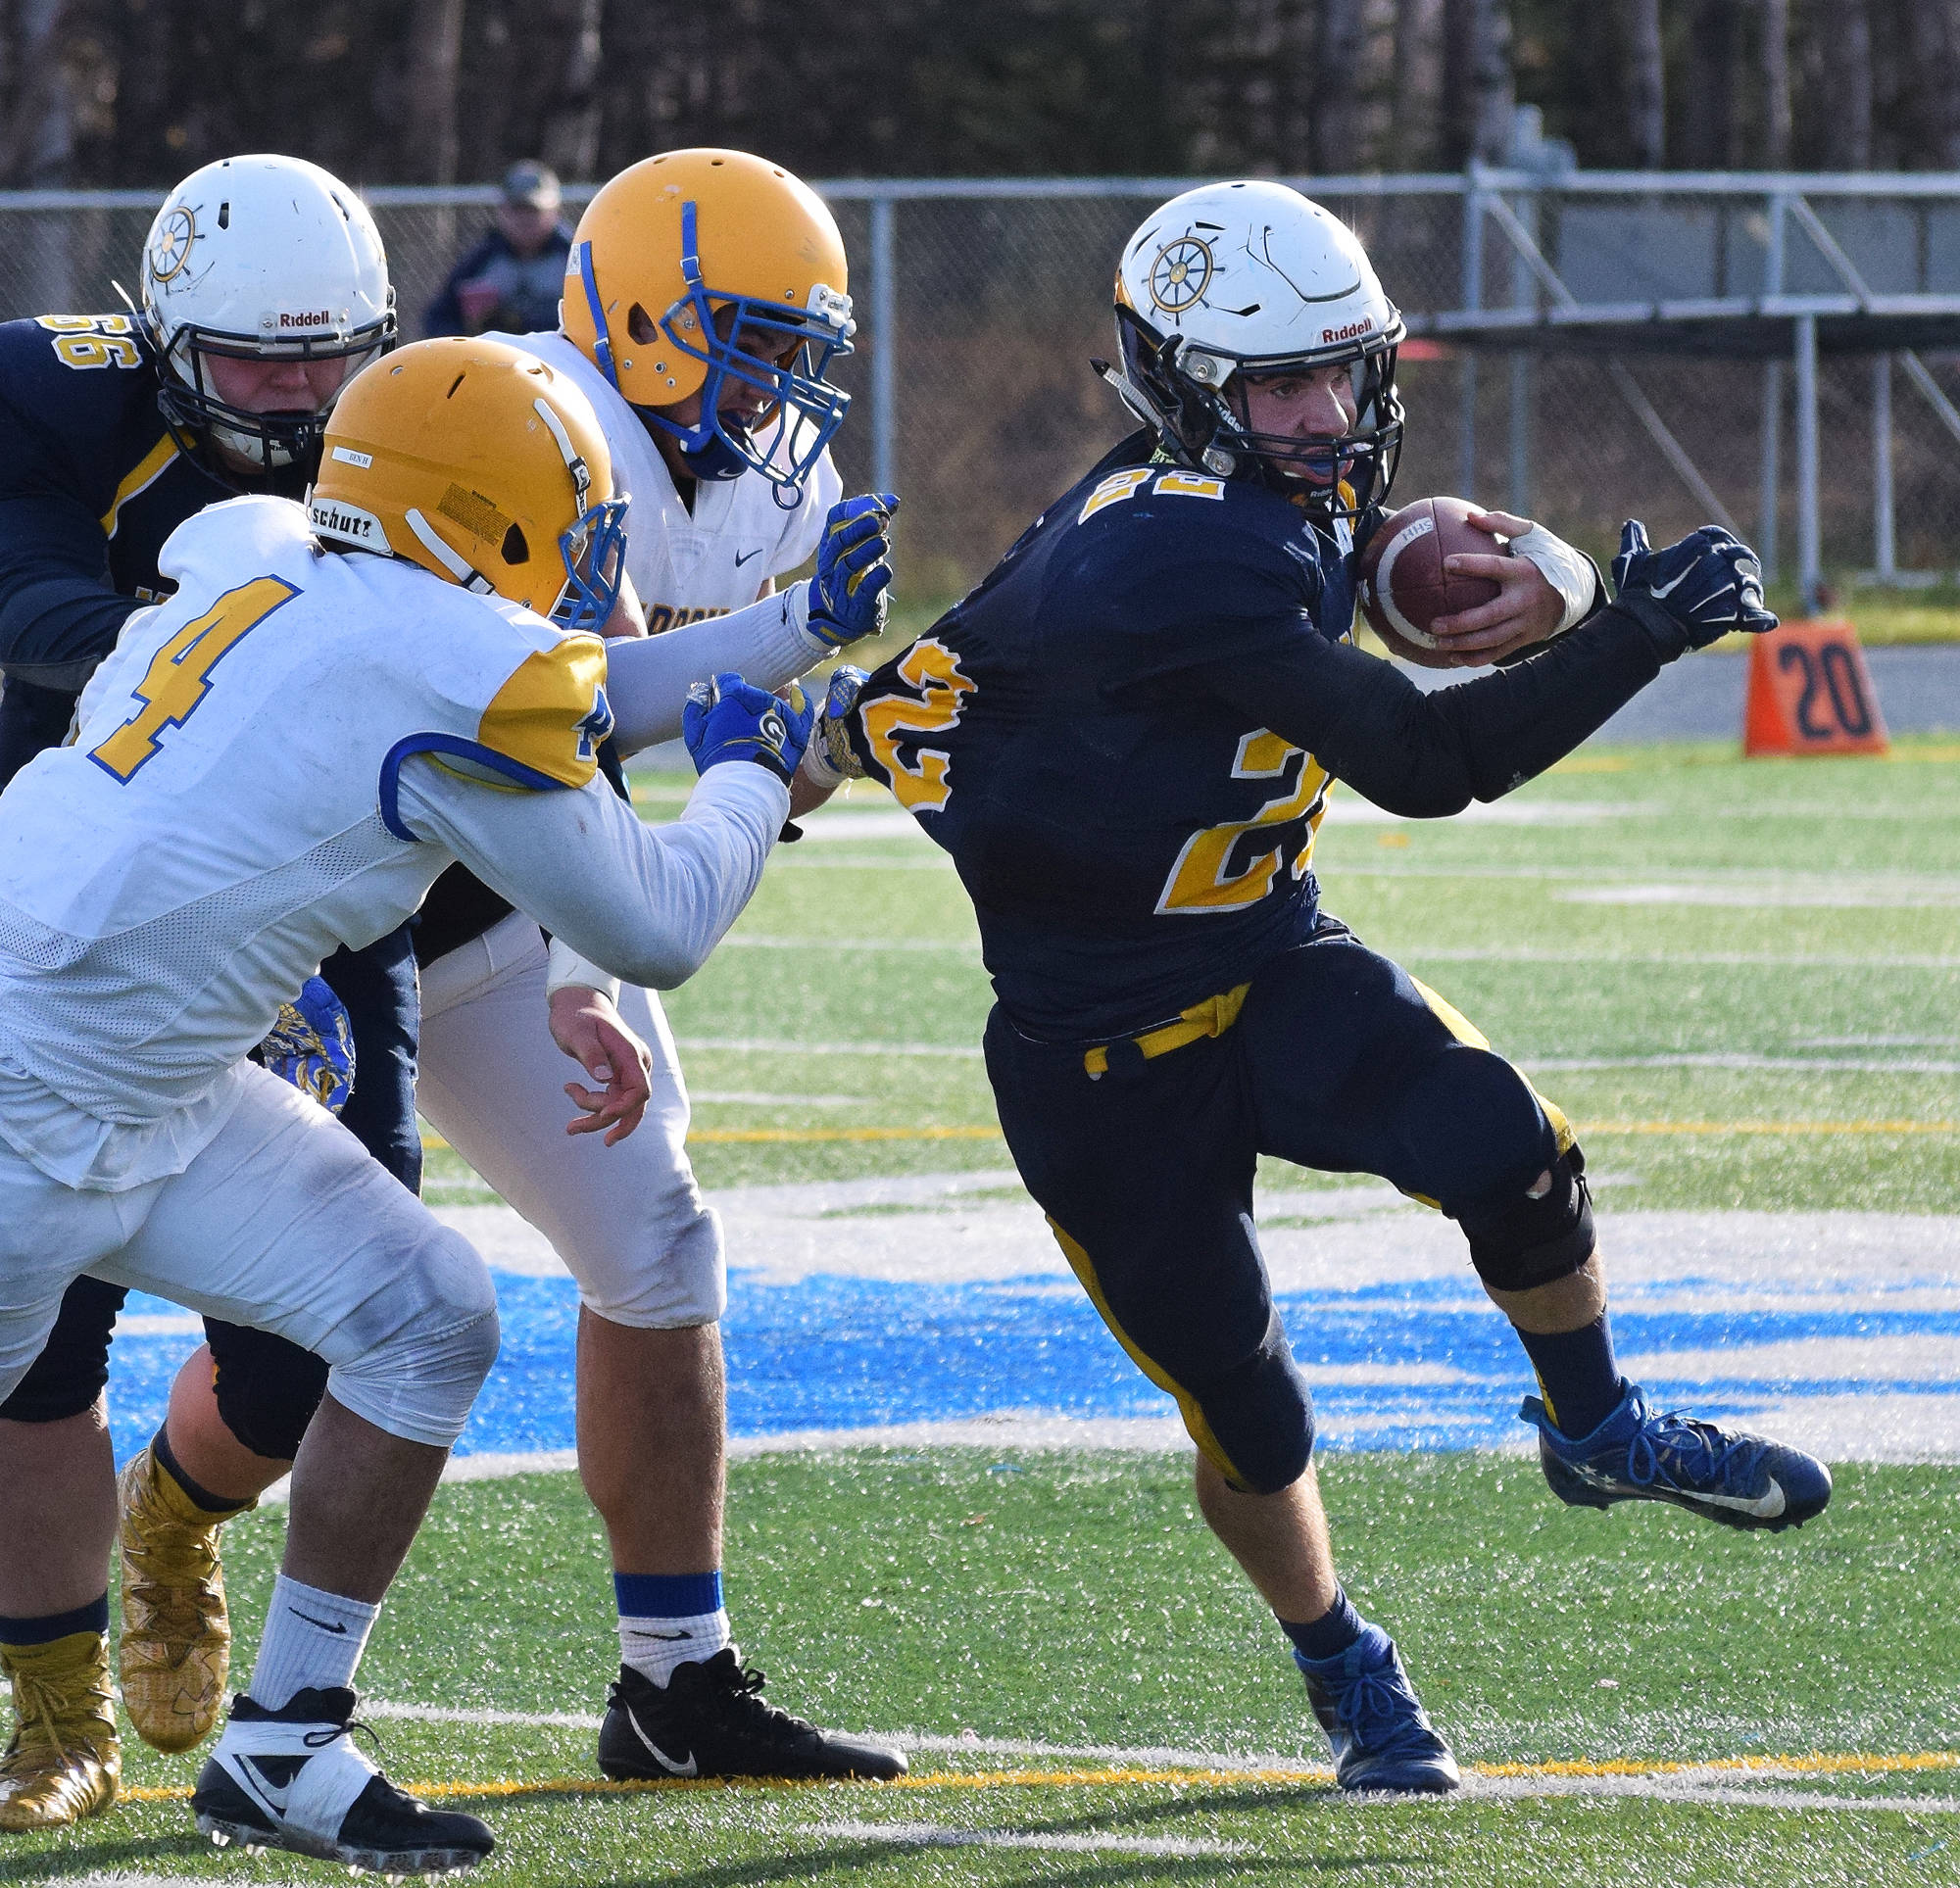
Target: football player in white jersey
point(704, 298)
point(234, 805)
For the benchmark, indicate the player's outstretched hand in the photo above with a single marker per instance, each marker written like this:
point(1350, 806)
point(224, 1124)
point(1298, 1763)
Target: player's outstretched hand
point(1703, 586)
point(854, 570)
point(588, 1029)
point(730, 720)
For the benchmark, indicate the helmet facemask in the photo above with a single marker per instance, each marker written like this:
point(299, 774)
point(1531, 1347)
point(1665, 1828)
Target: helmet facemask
point(270, 442)
point(1195, 399)
point(802, 410)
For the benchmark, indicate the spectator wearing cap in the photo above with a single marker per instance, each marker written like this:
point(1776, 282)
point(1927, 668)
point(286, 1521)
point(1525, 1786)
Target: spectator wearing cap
point(510, 280)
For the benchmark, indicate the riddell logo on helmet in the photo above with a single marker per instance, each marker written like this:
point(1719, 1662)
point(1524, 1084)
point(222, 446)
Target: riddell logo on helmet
point(1363, 326)
point(315, 320)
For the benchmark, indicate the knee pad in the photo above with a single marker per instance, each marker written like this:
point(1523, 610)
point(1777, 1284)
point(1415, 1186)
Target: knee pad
point(417, 1379)
point(1254, 1422)
point(679, 1279)
point(266, 1389)
point(66, 1378)
point(1517, 1242)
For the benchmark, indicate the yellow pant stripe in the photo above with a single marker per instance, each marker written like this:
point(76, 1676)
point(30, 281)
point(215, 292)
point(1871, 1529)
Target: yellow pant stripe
point(1460, 1026)
point(1199, 1429)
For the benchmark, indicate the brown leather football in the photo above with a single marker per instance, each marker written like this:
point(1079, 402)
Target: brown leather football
point(1404, 588)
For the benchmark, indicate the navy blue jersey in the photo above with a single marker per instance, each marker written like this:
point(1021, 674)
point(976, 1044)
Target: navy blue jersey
point(1131, 843)
point(91, 483)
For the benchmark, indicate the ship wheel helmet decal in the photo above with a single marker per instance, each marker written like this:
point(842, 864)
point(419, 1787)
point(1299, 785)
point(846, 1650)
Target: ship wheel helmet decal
point(1181, 274)
point(170, 250)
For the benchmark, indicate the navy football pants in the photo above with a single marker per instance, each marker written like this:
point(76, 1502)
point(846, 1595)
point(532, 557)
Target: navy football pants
point(1337, 1060)
point(268, 1388)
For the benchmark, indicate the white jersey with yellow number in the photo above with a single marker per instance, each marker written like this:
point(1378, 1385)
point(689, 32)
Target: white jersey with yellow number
point(219, 824)
point(687, 565)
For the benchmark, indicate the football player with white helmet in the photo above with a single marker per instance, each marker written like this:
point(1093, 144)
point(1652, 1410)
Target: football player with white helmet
point(263, 287)
point(706, 297)
point(236, 802)
point(1126, 738)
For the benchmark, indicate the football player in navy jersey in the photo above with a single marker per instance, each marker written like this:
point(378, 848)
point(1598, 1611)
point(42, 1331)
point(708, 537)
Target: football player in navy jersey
point(265, 288)
point(1126, 738)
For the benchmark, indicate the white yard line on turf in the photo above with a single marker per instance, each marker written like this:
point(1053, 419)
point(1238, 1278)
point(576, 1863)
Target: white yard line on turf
point(936, 1835)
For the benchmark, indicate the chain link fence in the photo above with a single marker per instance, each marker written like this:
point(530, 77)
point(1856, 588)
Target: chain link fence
point(980, 303)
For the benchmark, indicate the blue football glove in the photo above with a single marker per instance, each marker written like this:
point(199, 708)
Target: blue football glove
point(312, 1045)
point(730, 720)
point(831, 760)
point(847, 596)
point(1693, 591)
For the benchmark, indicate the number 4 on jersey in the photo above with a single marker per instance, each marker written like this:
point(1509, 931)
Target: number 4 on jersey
point(178, 675)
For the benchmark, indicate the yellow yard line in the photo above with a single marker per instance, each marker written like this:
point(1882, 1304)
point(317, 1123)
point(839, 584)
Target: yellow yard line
point(780, 1136)
point(1816, 1763)
point(1771, 1127)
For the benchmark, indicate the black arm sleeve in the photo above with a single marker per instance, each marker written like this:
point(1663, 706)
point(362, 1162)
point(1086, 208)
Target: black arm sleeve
point(58, 614)
point(1425, 755)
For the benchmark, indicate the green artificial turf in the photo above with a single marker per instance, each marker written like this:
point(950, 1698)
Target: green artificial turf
point(1075, 1601)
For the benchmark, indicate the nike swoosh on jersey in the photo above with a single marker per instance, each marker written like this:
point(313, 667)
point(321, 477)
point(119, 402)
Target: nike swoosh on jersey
point(743, 556)
point(666, 1763)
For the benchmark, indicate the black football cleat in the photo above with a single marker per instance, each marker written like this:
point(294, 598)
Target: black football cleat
point(292, 1779)
point(710, 1719)
point(1642, 1454)
point(1381, 1735)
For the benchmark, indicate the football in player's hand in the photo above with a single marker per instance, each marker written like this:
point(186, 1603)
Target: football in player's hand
point(1403, 587)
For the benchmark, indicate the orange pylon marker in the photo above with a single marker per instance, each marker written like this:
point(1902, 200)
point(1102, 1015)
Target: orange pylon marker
point(1811, 693)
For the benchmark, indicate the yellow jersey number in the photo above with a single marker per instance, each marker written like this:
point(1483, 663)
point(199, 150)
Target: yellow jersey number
point(93, 340)
point(1203, 879)
point(178, 675)
point(934, 671)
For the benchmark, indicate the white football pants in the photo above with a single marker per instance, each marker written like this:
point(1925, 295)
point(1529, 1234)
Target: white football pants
point(283, 1220)
point(627, 1220)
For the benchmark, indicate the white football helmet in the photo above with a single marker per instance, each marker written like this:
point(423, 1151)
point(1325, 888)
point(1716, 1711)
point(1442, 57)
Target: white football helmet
point(1248, 279)
point(261, 257)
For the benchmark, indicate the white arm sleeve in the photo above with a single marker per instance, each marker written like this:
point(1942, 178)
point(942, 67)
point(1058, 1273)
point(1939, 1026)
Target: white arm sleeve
point(647, 677)
point(647, 904)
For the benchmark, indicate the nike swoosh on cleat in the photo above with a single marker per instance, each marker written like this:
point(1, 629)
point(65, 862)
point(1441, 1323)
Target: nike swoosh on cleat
point(666, 1763)
point(669, 1635)
point(1663, 588)
point(325, 1625)
point(1765, 1507)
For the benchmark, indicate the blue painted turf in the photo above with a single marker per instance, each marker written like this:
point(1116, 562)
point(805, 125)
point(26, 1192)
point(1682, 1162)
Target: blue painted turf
point(842, 1353)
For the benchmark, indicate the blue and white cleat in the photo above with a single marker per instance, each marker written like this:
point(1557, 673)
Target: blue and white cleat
point(1382, 1737)
point(1641, 1454)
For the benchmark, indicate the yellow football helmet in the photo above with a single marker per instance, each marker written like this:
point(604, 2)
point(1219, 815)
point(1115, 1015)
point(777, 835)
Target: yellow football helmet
point(704, 272)
point(471, 457)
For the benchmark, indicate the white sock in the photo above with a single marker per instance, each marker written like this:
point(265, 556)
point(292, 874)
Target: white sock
point(312, 1639)
point(655, 1646)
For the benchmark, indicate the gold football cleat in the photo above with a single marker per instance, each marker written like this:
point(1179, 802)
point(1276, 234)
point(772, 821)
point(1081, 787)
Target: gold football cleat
point(64, 1758)
point(176, 1636)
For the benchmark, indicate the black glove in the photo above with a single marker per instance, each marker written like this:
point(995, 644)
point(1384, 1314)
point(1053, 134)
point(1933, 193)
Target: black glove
point(1692, 593)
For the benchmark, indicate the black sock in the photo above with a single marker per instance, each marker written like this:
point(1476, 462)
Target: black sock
point(200, 1497)
point(50, 1626)
point(1330, 1635)
point(1577, 1375)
